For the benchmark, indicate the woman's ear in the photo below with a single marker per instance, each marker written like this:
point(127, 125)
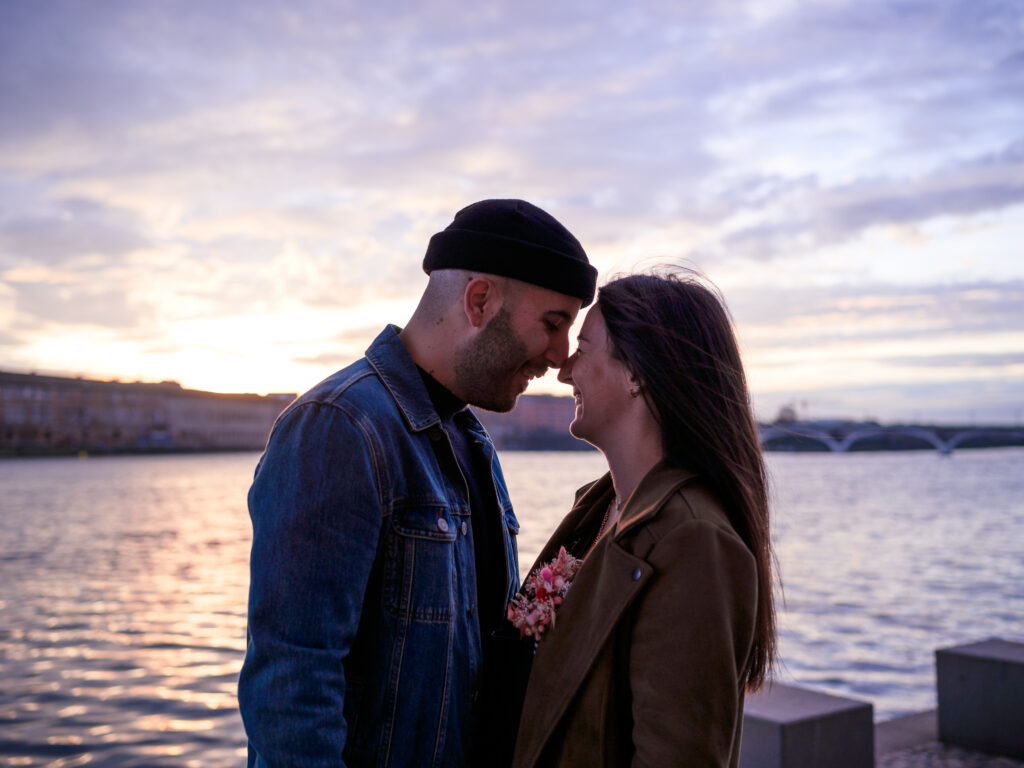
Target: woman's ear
point(635, 385)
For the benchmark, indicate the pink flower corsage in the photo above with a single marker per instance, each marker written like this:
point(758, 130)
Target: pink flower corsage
point(534, 608)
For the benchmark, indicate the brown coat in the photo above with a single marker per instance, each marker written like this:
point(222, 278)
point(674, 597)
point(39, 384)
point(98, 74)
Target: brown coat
point(646, 662)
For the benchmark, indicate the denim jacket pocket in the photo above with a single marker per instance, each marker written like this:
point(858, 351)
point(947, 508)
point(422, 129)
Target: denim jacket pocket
point(420, 563)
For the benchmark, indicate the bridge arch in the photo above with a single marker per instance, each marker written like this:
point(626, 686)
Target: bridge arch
point(960, 437)
point(923, 434)
point(773, 433)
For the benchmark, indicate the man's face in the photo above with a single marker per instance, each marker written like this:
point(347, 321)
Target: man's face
point(525, 337)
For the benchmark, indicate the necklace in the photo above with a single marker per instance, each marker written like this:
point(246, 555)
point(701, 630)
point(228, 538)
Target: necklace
point(614, 504)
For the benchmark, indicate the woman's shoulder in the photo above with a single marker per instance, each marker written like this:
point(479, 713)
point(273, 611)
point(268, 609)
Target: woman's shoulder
point(695, 501)
point(692, 525)
point(675, 493)
point(692, 506)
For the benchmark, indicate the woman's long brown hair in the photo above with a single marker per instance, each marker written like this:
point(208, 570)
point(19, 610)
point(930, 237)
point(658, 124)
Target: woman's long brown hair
point(675, 335)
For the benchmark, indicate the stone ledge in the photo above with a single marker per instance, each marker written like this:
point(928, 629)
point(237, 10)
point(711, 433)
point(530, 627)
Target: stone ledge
point(789, 727)
point(980, 690)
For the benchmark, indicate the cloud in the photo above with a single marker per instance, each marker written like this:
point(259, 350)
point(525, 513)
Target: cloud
point(976, 401)
point(68, 229)
point(875, 312)
point(986, 183)
point(331, 360)
point(377, 103)
point(343, 348)
point(803, 215)
point(970, 360)
point(259, 166)
point(79, 305)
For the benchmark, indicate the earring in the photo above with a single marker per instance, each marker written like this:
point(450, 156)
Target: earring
point(634, 392)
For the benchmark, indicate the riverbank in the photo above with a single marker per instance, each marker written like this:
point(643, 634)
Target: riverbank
point(912, 741)
point(564, 443)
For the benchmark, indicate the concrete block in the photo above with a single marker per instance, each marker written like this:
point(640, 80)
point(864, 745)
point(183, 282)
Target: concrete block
point(981, 696)
point(789, 727)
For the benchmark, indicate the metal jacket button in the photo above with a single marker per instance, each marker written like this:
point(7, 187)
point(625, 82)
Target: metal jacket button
point(637, 573)
point(442, 524)
point(465, 528)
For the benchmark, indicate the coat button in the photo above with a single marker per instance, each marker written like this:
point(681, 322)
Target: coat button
point(442, 524)
point(637, 573)
point(465, 528)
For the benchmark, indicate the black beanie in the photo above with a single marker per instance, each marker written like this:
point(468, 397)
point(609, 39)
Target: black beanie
point(514, 239)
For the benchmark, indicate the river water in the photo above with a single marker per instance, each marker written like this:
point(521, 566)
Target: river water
point(123, 584)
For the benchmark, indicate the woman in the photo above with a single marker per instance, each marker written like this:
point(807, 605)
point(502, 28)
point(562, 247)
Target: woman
point(670, 618)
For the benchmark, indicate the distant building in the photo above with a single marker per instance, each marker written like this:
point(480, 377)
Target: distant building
point(50, 415)
point(54, 415)
point(538, 423)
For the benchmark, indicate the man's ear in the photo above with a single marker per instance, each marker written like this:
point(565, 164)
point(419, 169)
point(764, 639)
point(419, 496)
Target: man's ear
point(480, 301)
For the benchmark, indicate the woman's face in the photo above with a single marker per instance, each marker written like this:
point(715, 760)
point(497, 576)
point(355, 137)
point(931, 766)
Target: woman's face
point(600, 385)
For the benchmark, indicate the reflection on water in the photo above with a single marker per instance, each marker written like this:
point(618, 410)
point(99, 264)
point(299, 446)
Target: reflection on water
point(123, 584)
point(887, 556)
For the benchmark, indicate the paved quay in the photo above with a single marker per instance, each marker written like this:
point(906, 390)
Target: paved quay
point(912, 742)
point(938, 755)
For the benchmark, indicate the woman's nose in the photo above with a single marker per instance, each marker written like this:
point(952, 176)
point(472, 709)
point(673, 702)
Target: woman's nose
point(565, 372)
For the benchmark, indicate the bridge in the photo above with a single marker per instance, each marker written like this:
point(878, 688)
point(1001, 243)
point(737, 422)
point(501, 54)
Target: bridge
point(842, 443)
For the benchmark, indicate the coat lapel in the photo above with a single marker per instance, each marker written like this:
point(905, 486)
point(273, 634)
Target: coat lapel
point(603, 589)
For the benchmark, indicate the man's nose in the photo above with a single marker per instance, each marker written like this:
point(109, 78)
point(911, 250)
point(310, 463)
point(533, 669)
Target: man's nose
point(558, 351)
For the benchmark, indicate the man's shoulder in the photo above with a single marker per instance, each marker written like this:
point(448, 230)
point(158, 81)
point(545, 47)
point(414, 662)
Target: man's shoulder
point(370, 382)
point(382, 387)
point(355, 391)
point(351, 402)
point(341, 385)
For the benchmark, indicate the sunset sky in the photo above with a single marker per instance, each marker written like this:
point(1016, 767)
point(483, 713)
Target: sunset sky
point(238, 195)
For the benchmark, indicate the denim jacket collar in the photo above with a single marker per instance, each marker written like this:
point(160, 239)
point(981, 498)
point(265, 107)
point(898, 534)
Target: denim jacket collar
point(396, 368)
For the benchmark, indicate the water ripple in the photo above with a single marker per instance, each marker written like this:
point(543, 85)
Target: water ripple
point(123, 584)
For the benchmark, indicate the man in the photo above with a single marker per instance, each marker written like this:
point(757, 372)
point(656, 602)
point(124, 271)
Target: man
point(384, 551)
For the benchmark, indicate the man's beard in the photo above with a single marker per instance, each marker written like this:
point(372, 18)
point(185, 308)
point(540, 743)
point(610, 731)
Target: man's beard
point(485, 368)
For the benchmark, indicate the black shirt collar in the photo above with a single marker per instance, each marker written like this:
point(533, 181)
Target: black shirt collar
point(445, 403)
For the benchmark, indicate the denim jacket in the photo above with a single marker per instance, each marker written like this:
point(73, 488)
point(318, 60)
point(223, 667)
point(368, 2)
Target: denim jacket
point(364, 645)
